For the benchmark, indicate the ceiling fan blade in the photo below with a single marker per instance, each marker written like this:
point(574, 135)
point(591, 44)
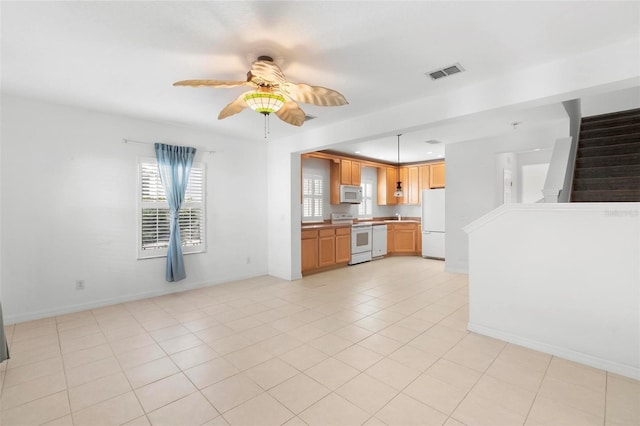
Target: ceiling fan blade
point(213, 83)
point(315, 95)
point(267, 71)
point(291, 113)
point(234, 107)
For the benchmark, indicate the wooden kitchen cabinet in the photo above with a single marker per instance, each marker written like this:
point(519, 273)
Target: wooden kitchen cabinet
point(347, 172)
point(436, 175)
point(387, 180)
point(343, 172)
point(404, 238)
point(324, 249)
point(413, 185)
point(309, 250)
point(351, 172)
point(423, 176)
point(343, 245)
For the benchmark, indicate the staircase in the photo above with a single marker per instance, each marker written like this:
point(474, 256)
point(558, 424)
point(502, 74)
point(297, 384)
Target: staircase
point(608, 159)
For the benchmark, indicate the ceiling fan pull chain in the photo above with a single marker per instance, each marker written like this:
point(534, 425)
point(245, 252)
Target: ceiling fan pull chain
point(266, 125)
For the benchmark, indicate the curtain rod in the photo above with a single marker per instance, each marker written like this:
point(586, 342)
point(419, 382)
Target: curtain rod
point(124, 140)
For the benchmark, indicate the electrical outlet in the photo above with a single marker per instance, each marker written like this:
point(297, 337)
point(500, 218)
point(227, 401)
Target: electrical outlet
point(79, 284)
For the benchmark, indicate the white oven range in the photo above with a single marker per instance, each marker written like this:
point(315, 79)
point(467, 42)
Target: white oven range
point(361, 234)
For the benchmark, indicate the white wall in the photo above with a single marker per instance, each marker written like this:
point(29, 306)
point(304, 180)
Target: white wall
point(69, 199)
point(560, 278)
point(618, 100)
point(532, 171)
point(474, 181)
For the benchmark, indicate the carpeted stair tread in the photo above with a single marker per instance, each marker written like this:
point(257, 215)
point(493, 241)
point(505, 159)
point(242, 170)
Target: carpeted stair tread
point(611, 115)
point(611, 122)
point(607, 171)
point(607, 183)
point(615, 149)
point(590, 196)
point(610, 140)
point(610, 131)
point(608, 160)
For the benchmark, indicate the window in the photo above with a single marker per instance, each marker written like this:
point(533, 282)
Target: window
point(154, 212)
point(365, 209)
point(312, 197)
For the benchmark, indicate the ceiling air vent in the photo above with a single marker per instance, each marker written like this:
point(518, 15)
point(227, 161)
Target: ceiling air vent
point(445, 72)
point(433, 141)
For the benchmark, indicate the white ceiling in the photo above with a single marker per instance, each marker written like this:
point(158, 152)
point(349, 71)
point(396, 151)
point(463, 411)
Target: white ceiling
point(122, 57)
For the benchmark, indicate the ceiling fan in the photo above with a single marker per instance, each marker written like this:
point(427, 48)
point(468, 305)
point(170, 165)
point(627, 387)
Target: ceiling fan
point(271, 92)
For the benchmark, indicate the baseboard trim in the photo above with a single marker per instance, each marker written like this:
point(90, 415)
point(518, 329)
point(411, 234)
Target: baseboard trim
point(582, 358)
point(47, 313)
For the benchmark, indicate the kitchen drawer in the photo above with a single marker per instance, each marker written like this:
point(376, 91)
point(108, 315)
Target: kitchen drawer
point(309, 233)
point(327, 232)
point(404, 226)
point(343, 231)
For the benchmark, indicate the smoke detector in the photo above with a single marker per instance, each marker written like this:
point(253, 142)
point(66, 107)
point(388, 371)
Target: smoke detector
point(445, 71)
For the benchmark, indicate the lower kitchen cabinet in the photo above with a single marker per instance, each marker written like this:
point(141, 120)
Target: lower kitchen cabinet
point(404, 238)
point(343, 245)
point(325, 249)
point(309, 250)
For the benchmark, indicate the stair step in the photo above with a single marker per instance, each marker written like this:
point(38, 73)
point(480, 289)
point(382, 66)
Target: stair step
point(608, 183)
point(610, 140)
point(612, 122)
point(609, 160)
point(618, 149)
point(607, 171)
point(604, 196)
point(611, 115)
point(611, 131)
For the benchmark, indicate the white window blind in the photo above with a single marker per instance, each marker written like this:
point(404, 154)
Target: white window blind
point(154, 212)
point(312, 197)
point(365, 209)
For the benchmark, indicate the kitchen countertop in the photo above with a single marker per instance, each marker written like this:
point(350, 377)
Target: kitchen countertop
point(375, 221)
point(325, 225)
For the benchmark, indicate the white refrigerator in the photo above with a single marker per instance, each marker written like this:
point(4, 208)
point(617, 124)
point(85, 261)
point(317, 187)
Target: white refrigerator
point(433, 223)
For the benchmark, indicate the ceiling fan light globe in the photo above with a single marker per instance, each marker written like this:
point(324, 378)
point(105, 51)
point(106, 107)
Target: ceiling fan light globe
point(264, 102)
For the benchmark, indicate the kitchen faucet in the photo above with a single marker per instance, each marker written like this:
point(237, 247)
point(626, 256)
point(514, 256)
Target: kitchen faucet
point(399, 216)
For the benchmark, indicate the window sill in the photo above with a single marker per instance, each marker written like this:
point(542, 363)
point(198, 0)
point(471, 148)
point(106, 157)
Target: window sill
point(164, 255)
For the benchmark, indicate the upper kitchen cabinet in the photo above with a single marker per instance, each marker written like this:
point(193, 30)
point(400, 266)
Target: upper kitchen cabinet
point(343, 172)
point(436, 175)
point(346, 172)
point(386, 186)
point(411, 185)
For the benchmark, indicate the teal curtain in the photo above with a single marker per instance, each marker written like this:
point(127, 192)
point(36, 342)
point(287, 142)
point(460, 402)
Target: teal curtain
point(4, 347)
point(174, 165)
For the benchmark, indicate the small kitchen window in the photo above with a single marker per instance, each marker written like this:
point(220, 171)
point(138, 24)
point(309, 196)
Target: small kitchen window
point(365, 209)
point(153, 212)
point(312, 197)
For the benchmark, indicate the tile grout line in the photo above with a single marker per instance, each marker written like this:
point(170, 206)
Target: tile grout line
point(535, 398)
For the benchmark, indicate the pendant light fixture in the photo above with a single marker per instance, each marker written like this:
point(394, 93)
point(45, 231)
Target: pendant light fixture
point(398, 192)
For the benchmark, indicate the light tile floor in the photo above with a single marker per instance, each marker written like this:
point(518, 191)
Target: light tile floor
point(377, 343)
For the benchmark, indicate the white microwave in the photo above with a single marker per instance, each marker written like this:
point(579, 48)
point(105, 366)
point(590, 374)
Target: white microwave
point(350, 194)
